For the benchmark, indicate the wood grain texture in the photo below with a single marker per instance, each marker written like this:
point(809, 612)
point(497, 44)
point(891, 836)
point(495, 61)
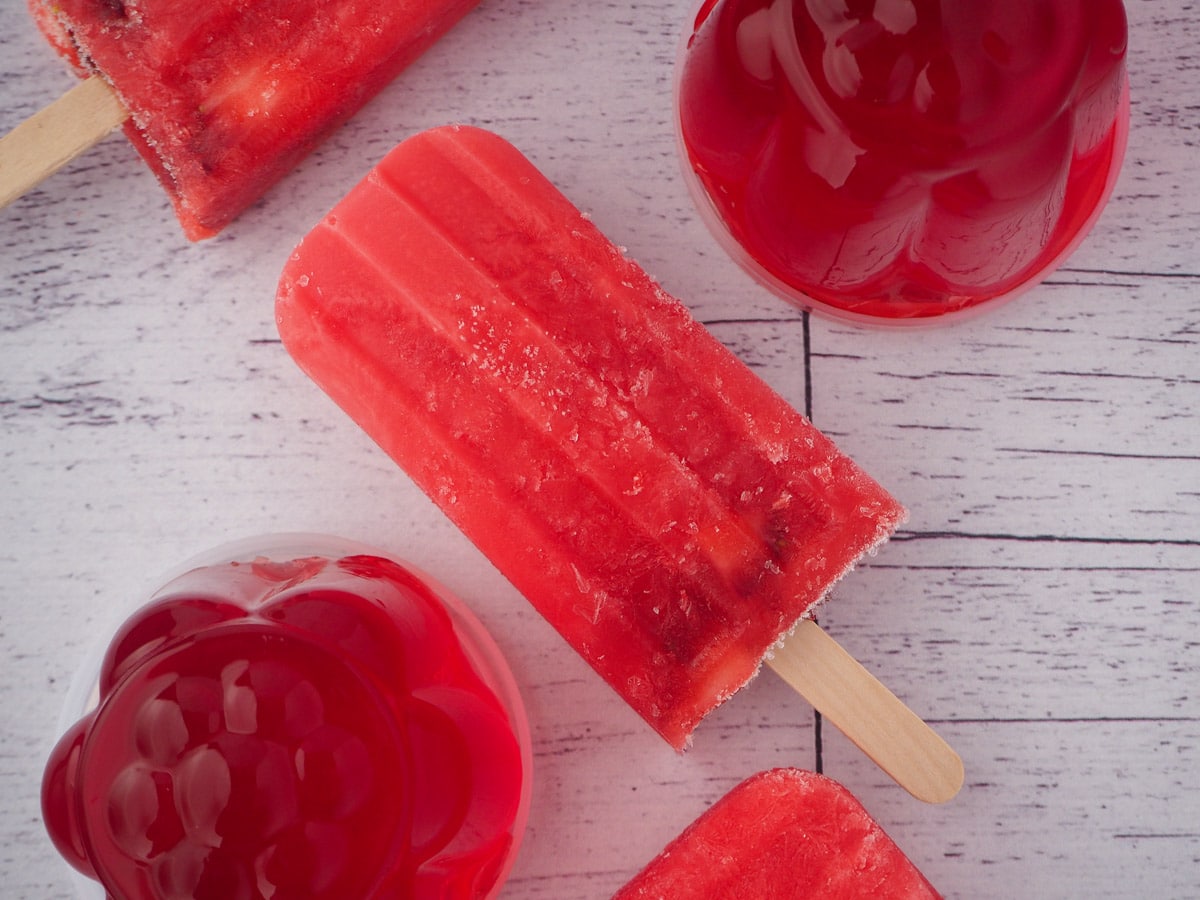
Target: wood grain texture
point(1041, 607)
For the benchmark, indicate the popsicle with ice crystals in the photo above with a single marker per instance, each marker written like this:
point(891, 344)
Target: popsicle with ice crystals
point(221, 98)
point(656, 501)
point(784, 834)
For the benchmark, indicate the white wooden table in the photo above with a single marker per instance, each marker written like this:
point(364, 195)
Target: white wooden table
point(1042, 606)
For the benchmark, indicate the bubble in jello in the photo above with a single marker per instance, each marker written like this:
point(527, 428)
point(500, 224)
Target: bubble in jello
point(271, 727)
point(903, 159)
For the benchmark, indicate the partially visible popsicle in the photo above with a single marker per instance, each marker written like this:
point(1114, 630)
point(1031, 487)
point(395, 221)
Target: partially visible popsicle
point(655, 500)
point(784, 834)
point(225, 97)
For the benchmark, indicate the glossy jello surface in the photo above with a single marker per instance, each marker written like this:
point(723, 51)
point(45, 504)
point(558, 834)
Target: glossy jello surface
point(285, 727)
point(903, 159)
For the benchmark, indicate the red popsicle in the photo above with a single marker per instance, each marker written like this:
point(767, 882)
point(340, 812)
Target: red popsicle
point(222, 98)
point(784, 834)
point(654, 499)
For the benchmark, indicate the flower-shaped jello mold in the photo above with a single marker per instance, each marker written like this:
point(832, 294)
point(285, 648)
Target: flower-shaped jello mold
point(900, 161)
point(318, 726)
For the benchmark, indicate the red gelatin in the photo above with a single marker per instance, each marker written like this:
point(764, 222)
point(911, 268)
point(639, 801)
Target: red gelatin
point(312, 726)
point(903, 159)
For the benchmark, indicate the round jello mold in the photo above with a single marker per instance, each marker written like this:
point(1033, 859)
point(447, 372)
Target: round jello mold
point(276, 558)
point(896, 303)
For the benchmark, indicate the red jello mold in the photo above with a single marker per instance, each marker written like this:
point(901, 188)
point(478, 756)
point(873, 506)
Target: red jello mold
point(304, 718)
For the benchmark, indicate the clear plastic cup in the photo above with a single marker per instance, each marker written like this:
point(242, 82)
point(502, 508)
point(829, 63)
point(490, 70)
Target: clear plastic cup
point(906, 161)
point(268, 592)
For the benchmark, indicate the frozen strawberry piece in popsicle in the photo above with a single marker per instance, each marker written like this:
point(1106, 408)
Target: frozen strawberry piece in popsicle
point(784, 834)
point(654, 499)
point(225, 97)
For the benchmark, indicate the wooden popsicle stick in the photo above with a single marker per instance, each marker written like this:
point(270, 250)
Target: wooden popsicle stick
point(863, 709)
point(52, 137)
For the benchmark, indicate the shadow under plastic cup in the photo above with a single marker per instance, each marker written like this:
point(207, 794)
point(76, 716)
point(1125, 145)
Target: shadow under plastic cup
point(288, 711)
point(912, 163)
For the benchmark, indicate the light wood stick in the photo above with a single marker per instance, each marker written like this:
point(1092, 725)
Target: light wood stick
point(52, 137)
point(863, 709)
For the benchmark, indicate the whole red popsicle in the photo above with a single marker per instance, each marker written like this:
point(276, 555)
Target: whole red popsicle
point(653, 498)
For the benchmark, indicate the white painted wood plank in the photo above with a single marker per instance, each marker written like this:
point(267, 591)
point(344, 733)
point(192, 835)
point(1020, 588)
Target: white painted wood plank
point(1065, 809)
point(1072, 413)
